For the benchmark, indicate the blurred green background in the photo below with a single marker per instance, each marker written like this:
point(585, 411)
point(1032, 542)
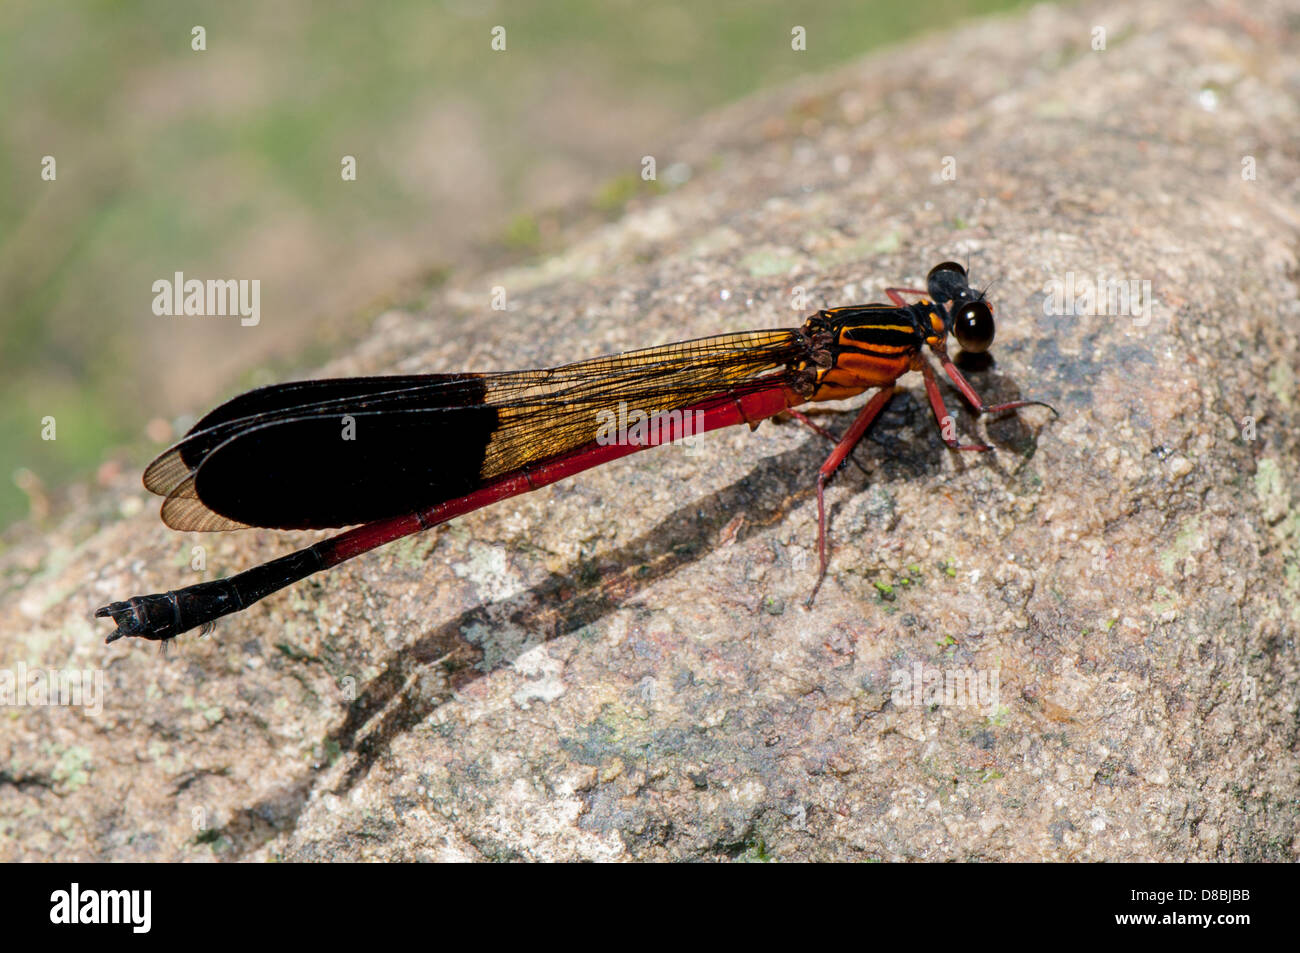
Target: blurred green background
point(226, 164)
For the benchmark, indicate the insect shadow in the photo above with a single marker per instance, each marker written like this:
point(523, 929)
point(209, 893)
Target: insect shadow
point(391, 703)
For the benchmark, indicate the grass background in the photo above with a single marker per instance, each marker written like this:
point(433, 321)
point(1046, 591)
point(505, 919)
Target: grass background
point(225, 164)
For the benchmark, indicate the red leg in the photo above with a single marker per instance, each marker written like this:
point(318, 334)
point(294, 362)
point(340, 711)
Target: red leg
point(821, 432)
point(941, 415)
point(973, 398)
point(850, 440)
point(896, 294)
point(815, 428)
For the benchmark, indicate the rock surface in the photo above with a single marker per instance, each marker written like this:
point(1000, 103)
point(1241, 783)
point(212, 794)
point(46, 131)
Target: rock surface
point(620, 666)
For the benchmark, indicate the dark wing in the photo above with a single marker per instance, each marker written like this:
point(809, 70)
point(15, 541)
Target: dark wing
point(329, 453)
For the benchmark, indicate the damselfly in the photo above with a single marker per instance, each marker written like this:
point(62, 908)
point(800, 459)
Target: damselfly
point(402, 454)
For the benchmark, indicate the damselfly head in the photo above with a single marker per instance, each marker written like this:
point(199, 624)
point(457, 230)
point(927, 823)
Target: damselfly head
point(969, 316)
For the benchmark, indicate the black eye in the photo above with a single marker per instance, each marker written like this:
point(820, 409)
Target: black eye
point(946, 266)
point(973, 325)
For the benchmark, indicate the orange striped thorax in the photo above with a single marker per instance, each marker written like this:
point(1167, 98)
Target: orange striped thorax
point(865, 346)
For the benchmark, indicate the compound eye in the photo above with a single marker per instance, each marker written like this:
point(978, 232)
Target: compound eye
point(973, 327)
point(946, 266)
